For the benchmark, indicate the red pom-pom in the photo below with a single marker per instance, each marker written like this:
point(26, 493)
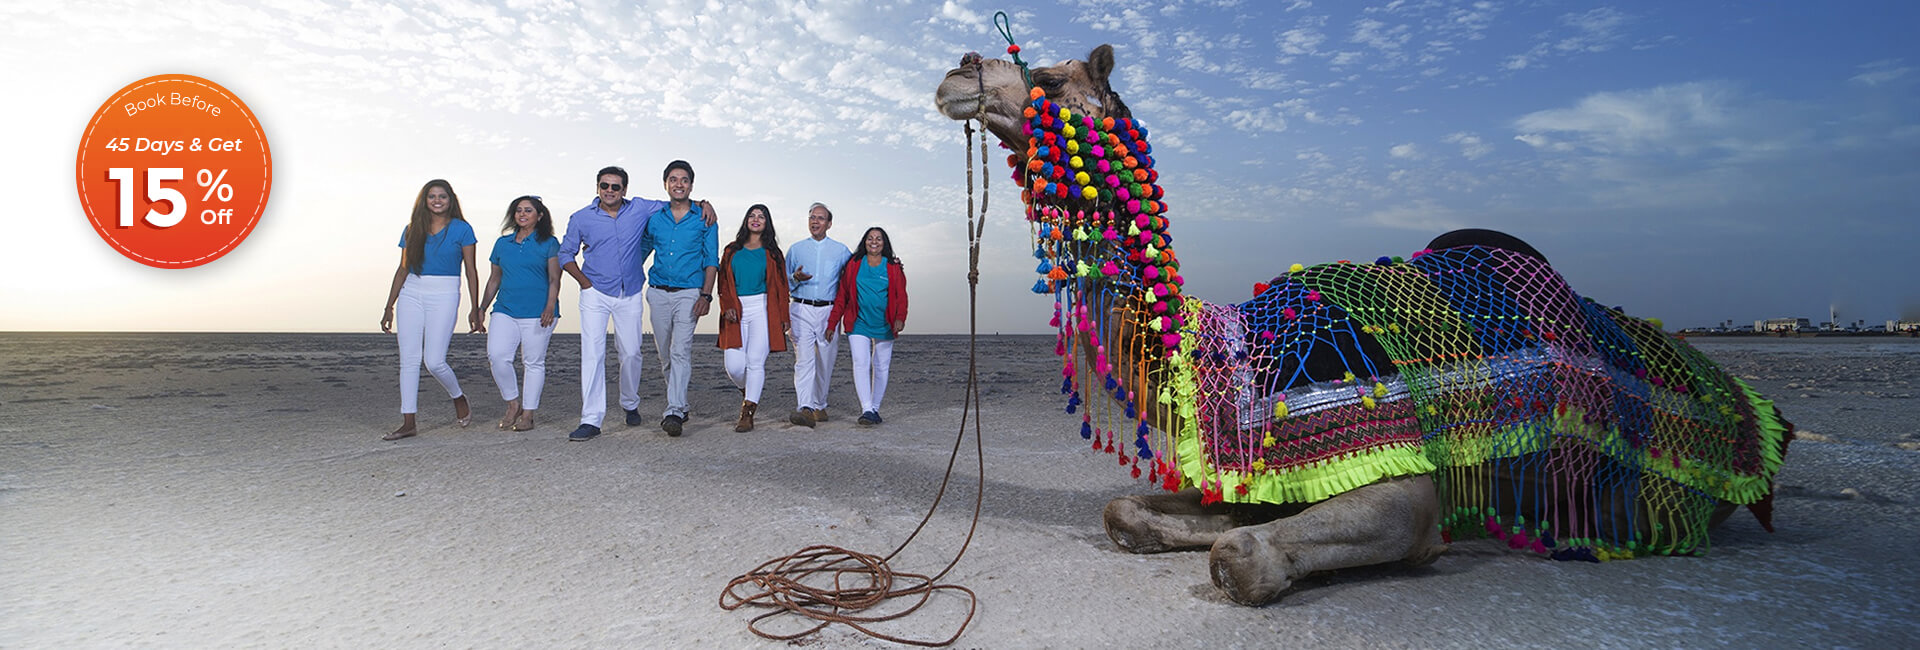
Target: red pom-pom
point(1013, 49)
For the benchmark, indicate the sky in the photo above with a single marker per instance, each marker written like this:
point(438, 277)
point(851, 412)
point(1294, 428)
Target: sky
point(1697, 162)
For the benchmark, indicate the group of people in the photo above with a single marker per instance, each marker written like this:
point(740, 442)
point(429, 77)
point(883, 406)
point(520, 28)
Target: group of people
point(814, 292)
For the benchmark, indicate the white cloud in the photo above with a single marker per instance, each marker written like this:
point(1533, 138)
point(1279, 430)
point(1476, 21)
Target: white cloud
point(1408, 151)
point(1471, 146)
point(1881, 72)
point(1679, 118)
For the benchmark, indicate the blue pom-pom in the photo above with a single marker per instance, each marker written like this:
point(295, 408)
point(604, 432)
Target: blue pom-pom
point(1073, 407)
point(1131, 413)
point(1383, 260)
point(1043, 268)
point(1111, 384)
point(1066, 385)
point(1040, 253)
point(1142, 431)
point(1546, 540)
point(1086, 430)
point(1040, 286)
point(1145, 454)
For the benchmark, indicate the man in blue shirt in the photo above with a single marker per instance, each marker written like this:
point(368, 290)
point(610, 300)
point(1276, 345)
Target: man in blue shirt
point(685, 247)
point(606, 234)
point(814, 265)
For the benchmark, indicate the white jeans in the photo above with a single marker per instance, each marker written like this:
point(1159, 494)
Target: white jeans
point(870, 361)
point(812, 357)
point(747, 364)
point(506, 334)
point(423, 318)
point(673, 322)
point(595, 309)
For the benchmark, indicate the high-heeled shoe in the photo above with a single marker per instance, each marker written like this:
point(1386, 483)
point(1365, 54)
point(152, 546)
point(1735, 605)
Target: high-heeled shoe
point(513, 413)
point(462, 420)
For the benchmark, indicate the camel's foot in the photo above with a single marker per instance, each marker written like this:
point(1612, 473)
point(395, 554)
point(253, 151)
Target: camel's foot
point(1159, 523)
point(1249, 569)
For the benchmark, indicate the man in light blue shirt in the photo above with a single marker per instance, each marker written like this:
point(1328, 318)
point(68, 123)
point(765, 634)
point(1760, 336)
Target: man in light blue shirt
point(606, 234)
point(814, 266)
point(685, 247)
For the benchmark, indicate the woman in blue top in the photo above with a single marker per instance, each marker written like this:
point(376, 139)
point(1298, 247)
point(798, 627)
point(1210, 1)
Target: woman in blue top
point(872, 306)
point(435, 245)
point(526, 278)
point(753, 307)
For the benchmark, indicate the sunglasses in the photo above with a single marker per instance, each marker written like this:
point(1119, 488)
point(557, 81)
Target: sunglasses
point(611, 186)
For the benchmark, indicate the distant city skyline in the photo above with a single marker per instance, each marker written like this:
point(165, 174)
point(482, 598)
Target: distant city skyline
point(1691, 162)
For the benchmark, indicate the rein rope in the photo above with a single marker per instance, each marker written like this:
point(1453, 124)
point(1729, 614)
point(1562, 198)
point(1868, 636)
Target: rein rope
point(828, 584)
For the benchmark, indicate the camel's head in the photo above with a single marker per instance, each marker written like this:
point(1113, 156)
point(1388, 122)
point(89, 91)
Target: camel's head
point(996, 85)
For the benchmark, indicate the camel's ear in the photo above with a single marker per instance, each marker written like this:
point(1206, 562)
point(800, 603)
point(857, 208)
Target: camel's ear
point(1100, 62)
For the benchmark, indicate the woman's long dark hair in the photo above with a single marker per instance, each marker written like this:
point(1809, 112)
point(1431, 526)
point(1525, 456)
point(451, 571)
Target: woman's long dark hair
point(423, 221)
point(542, 229)
point(769, 239)
point(886, 244)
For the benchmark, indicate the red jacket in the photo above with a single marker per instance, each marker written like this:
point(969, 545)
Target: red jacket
point(846, 301)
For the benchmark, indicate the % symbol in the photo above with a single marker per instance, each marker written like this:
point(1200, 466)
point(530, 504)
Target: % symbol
point(215, 185)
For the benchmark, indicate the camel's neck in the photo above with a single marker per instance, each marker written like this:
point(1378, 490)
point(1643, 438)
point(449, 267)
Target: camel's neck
point(1101, 234)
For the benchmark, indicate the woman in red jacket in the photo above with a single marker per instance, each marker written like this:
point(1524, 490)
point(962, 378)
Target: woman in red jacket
point(871, 307)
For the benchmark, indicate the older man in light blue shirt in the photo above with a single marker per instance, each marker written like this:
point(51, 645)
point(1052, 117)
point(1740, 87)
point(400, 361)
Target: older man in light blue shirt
point(685, 247)
point(606, 235)
point(814, 266)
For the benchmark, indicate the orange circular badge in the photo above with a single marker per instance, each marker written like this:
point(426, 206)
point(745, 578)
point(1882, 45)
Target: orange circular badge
point(173, 171)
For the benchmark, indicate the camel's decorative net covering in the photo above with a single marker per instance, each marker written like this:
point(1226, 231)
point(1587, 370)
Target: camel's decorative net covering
point(1545, 419)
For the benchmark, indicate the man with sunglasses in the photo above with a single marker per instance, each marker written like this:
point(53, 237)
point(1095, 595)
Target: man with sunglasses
point(606, 236)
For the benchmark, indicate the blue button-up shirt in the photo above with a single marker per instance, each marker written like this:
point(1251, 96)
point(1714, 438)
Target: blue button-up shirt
point(682, 250)
point(823, 259)
point(612, 257)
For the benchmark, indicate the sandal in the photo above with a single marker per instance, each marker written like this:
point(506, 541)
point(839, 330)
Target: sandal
point(403, 432)
point(513, 413)
point(460, 404)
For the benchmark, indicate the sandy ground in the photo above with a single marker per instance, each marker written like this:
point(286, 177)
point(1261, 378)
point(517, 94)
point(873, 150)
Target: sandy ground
point(232, 491)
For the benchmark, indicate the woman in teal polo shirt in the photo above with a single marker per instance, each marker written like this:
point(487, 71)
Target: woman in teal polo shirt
point(435, 245)
point(526, 279)
point(872, 308)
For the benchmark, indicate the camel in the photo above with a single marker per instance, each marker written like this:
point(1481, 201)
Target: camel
point(1355, 414)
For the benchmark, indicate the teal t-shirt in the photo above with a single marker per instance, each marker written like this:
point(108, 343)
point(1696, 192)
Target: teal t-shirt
point(750, 271)
point(523, 275)
point(443, 254)
point(872, 321)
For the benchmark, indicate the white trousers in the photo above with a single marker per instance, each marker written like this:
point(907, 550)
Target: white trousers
point(812, 357)
point(423, 318)
point(747, 364)
point(870, 361)
point(505, 334)
point(673, 322)
point(595, 310)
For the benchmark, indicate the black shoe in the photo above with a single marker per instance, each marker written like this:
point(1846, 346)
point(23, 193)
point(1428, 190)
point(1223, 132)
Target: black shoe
point(868, 418)
point(633, 417)
point(584, 433)
point(802, 417)
point(671, 425)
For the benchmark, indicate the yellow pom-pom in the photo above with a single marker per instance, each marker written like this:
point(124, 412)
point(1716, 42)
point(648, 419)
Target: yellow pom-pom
point(1067, 115)
point(1347, 377)
point(1268, 441)
point(1075, 162)
point(1073, 146)
point(1379, 389)
point(1279, 409)
point(1393, 327)
point(1081, 178)
point(1260, 464)
point(1088, 192)
point(1068, 129)
point(1296, 268)
point(1656, 323)
point(1367, 402)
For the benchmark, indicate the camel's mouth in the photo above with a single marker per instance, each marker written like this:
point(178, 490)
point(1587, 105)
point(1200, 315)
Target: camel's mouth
point(960, 108)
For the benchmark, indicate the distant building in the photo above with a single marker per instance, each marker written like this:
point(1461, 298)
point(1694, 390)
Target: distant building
point(1903, 326)
point(1782, 325)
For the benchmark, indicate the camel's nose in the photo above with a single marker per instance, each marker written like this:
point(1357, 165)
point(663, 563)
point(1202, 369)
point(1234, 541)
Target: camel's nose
point(970, 58)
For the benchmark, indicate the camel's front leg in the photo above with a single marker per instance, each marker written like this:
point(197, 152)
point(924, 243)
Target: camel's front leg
point(1384, 522)
point(1156, 523)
